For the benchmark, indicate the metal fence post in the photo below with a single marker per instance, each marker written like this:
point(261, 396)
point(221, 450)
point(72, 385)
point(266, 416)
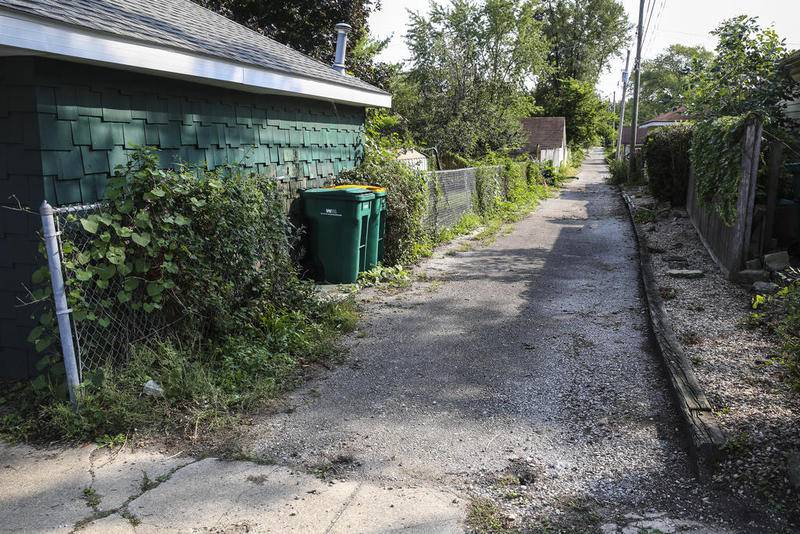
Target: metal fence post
point(60, 300)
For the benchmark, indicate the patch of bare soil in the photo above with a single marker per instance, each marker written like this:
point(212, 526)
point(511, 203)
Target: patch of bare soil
point(737, 365)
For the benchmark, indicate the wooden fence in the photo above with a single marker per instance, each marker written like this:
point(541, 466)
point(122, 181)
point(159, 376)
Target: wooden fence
point(730, 245)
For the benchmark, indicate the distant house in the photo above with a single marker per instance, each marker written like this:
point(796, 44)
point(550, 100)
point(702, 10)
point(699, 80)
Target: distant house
point(83, 82)
point(675, 116)
point(641, 133)
point(669, 118)
point(546, 139)
point(413, 159)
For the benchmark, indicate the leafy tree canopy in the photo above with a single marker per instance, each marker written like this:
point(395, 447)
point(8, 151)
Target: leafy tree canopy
point(588, 119)
point(666, 79)
point(583, 36)
point(745, 76)
point(471, 67)
point(308, 26)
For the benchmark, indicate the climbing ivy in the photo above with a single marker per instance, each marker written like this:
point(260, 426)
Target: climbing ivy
point(487, 191)
point(716, 156)
point(190, 243)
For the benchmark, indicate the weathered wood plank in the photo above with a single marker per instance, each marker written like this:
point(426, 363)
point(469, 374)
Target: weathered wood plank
point(706, 438)
point(729, 245)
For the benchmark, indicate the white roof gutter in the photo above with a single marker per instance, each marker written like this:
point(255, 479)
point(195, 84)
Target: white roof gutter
point(31, 35)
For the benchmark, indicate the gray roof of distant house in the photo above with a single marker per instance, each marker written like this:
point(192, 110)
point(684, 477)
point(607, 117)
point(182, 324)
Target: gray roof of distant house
point(182, 24)
point(544, 132)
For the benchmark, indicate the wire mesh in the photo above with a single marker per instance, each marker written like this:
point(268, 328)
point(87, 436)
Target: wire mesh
point(113, 328)
point(451, 196)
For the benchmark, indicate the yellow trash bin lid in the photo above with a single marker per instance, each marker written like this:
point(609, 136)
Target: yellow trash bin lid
point(373, 188)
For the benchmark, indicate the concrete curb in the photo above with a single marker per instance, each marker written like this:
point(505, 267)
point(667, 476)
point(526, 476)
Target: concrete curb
point(706, 438)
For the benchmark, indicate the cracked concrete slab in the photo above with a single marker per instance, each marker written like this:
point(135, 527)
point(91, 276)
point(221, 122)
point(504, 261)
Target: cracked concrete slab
point(41, 489)
point(223, 495)
point(120, 475)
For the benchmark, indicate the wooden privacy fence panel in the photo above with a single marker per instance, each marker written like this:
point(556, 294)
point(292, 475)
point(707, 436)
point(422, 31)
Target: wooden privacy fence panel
point(730, 245)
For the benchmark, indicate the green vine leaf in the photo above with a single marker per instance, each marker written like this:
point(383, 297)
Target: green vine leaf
point(124, 231)
point(90, 224)
point(83, 274)
point(42, 343)
point(142, 239)
point(154, 288)
point(131, 284)
point(115, 255)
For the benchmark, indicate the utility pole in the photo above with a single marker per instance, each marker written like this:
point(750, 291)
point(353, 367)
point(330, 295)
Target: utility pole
point(614, 111)
point(622, 105)
point(637, 68)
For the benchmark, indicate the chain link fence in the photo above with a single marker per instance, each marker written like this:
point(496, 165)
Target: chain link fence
point(453, 193)
point(107, 330)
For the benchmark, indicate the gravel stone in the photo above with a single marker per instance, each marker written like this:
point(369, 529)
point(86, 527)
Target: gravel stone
point(684, 273)
point(764, 288)
point(777, 261)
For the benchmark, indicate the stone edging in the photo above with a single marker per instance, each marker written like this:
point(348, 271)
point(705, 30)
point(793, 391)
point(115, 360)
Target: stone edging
point(706, 438)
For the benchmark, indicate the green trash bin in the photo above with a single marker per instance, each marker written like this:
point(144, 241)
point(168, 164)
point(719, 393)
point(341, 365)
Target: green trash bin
point(377, 222)
point(377, 228)
point(339, 227)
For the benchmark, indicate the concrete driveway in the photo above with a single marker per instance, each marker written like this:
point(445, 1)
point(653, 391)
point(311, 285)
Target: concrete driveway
point(513, 386)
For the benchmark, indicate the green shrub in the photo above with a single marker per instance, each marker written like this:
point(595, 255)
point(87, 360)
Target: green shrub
point(406, 201)
point(781, 314)
point(618, 171)
point(206, 252)
point(487, 191)
point(666, 158)
point(533, 174)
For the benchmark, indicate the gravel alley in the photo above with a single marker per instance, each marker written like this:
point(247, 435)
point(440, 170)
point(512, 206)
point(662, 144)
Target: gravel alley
point(522, 373)
point(513, 387)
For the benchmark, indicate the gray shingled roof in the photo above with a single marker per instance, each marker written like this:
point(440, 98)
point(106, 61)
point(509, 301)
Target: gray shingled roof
point(184, 25)
point(544, 132)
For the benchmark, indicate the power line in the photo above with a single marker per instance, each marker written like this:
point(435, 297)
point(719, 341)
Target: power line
point(652, 36)
point(649, 18)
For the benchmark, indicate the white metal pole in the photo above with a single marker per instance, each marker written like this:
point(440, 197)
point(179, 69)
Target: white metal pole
point(60, 300)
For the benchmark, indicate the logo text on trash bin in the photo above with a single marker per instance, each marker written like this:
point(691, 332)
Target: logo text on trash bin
point(331, 212)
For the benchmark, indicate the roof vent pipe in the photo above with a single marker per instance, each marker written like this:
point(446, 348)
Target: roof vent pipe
point(342, 29)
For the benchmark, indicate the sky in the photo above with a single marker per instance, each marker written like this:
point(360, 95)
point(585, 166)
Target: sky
point(674, 21)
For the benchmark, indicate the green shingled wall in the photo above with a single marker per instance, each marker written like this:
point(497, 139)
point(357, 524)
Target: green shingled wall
point(20, 185)
point(90, 118)
point(65, 127)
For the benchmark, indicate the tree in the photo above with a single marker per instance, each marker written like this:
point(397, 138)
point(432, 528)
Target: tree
point(583, 36)
point(588, 119)
point(666, 79)
point(745, 76)
point(308, 26)
point(471, 66)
